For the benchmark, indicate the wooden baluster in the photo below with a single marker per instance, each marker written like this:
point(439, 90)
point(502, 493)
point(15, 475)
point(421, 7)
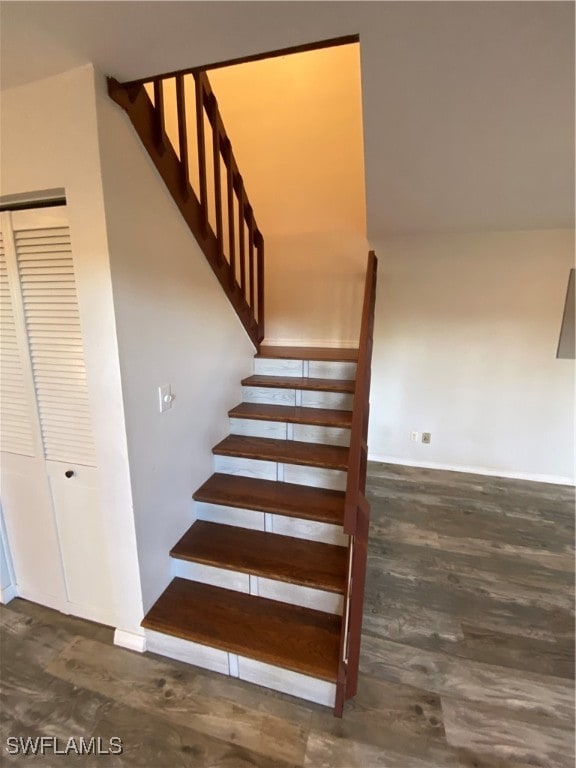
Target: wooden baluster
point(201, 141)
point(182, 134)
point(242, 238)
point(260, 280)
point(231, 229)
point(159, 132)
point(217, 179)
point(250, 221)
point(149, 118)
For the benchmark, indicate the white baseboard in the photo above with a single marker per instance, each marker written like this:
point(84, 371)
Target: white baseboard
point(8, 593)
point(331, 344)
point(129, 640)
point(536, 478)
point(49, 601)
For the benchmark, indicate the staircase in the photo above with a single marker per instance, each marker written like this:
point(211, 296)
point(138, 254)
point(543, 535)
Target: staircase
point(260, 576)
point(268, 582)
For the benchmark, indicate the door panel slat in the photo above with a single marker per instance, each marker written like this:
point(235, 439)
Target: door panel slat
point(53, 323)
point(15, 426)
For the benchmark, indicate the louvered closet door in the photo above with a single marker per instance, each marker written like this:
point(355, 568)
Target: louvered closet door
point(47, 293)
point(16, 434)
point(27, 507)
point(50, 303)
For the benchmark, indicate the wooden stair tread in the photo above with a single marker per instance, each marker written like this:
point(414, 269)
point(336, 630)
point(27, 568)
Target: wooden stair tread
point(284, 558)
point(297, 414)
point(288, 636)
point(285, 451)
point(322, 505)
point(335, 355)
point(300, 382)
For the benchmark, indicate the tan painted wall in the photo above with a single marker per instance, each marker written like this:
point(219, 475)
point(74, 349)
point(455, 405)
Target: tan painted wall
point(296, 128)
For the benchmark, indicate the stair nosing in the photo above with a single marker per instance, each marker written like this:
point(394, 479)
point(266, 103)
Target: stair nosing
point(270, 508)
point(292, 414)
point(298, 460)
point(307, 383)
point(315, 354)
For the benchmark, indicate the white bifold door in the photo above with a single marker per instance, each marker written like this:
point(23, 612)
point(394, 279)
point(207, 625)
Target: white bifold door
point(52, 517)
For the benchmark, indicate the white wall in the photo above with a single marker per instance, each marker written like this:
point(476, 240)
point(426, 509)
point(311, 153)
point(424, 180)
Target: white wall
point(175, 325)
point(466, 333)
point(49, 141)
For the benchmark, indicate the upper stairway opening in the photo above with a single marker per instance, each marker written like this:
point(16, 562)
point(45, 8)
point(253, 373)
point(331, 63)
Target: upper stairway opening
point(296, 127)
point(288, 129)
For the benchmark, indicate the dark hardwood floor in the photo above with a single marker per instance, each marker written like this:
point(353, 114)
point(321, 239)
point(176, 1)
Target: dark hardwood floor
point(467, 657)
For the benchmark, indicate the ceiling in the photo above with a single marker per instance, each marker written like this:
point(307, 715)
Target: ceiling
point(468, 107)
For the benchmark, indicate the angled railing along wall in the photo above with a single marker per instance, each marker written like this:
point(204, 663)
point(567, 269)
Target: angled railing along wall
point(357, 508)
point(171, 115)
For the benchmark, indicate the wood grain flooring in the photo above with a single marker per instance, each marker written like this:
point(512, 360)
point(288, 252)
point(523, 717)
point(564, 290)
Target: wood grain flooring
point(467, 657)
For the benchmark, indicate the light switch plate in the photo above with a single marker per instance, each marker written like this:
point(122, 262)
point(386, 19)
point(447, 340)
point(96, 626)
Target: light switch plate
point(165, 397)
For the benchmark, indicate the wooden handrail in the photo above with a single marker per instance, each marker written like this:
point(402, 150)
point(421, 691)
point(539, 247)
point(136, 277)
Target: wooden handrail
point(243, 282)
point(357, 509)
point(356, 480)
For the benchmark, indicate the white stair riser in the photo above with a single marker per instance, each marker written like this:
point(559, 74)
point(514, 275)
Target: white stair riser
point(286, 681)
point(306, 398)
point(280, 524)
point(322, 369)
point(269, 395)
point(336, 400)
point(289, 473)
point(257, 428)
point(308, 433)
point(319, 478)
point(208, 574)
point(241, 518)
point(231, 465)
point(306, 529)
point(318, 599)
point(233, 665)
point(187, 651)
point(271, 367)
point(313, 369)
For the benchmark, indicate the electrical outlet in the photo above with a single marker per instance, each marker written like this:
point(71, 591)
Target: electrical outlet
point(426, 437)
point(414, 437)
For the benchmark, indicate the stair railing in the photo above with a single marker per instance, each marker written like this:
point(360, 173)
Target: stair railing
point(207, 186)
point(357, 508)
